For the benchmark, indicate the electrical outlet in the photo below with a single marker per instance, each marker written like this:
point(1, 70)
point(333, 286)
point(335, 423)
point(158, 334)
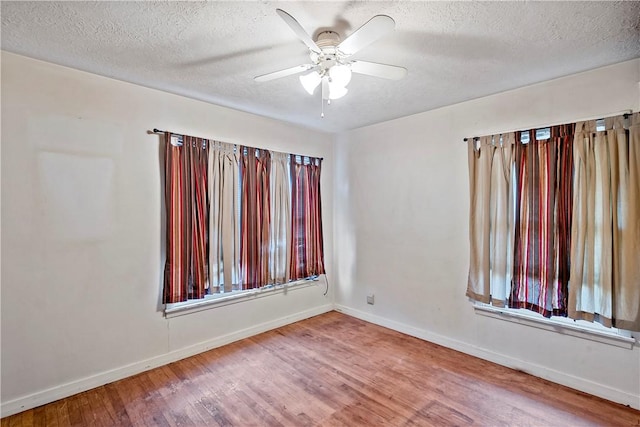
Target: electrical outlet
point(370, 299)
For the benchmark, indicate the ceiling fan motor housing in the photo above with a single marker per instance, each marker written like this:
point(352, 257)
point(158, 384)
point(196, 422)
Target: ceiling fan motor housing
point(327, 42)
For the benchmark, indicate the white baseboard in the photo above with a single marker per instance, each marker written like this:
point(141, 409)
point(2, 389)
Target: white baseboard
point(59, 392)
point(65, 390)
point(552, 375)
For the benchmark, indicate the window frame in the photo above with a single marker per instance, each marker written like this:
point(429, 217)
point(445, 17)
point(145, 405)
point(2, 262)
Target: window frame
point(217, 300)
point(562, 325)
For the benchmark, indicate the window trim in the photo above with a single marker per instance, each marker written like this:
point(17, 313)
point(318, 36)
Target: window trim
point(221, 300)
point(575, 330)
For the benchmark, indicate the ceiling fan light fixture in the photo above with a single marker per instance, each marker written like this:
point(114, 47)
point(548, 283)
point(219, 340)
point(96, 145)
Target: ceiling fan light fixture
point(340, 74)
point(310, 81)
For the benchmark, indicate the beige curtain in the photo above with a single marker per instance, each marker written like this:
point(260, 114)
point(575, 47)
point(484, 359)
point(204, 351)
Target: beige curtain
point(502, 219)
point(280, 233)
point(491, 229)
point(605, 235)
point(224, 218)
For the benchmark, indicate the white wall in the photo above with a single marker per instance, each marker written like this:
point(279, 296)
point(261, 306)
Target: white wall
point(401, 228)
point(82, 236)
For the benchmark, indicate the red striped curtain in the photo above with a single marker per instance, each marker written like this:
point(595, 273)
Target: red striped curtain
point(307, 251)
point(255, 168)
point(186, 204)
point(544, 171)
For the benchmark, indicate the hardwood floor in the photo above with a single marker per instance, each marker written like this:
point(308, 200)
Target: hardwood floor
point(330, 370)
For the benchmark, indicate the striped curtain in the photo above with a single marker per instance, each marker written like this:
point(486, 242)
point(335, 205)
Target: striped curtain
point(186, 204)
point(307, 252)
point(238, 218)
point(542, 244)
point(255, 168)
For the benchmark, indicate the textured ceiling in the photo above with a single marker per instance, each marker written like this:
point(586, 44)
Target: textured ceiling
point(454, 51)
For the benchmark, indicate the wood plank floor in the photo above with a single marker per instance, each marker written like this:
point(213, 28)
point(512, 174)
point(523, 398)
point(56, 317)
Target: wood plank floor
point(330, 370)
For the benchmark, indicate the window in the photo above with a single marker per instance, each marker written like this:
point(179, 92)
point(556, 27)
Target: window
point(238, 219)
point(555, 223)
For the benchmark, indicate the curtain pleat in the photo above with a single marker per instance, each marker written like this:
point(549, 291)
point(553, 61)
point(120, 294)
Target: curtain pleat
point(307, 251)
point(186, 203)
point(605, 251)
point(224, 218)
point(255, 166)
point(280, 231)
point(542, 222)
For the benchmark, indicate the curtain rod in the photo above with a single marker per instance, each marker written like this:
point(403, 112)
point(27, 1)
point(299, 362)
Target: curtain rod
point(156, 130)
point(625, 113)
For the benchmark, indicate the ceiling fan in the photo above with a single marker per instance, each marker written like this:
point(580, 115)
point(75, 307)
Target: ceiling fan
point(331, 66)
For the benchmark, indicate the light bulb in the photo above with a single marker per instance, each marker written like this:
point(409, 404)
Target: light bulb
point(337, 91)
point(340, 74)
point(310, 81)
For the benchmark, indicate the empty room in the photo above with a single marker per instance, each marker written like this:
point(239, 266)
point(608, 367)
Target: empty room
point(349, 213)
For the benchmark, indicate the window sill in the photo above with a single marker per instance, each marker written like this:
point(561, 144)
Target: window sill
point(602, 336)
point(195, 306)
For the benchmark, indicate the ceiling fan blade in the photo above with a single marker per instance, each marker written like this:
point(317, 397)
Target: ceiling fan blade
point(371, 31)
point(283, 73)
point(391, 72)
point(297, 28)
